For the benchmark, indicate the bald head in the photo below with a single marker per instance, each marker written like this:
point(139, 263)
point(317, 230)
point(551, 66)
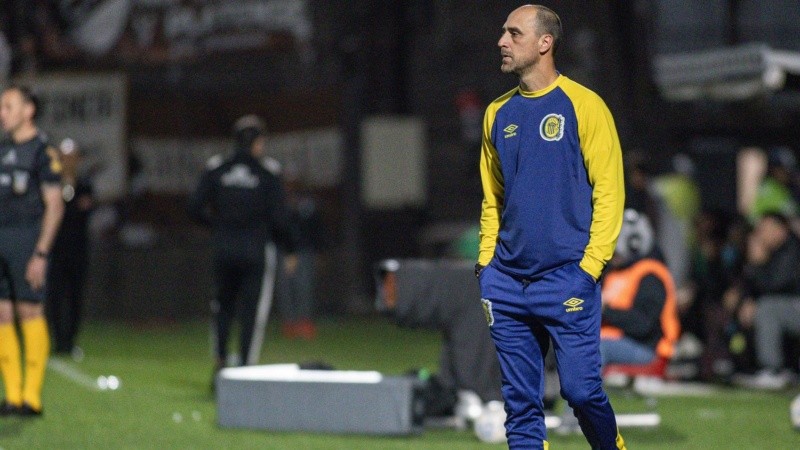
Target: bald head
point(528, 43)
point(543, 20)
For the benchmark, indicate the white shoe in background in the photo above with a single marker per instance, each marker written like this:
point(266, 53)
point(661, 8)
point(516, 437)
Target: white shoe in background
point(77, 354)
point(794, 413)
point(469, 405)
point(490, 424)
point(766, 380)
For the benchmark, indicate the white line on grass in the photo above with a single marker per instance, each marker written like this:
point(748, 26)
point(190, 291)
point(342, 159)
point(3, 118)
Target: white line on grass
point(72, 373)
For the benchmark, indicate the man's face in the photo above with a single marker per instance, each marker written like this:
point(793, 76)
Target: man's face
point(14, 110)
point(519, 43)
point(771, 232)
point(259, 147)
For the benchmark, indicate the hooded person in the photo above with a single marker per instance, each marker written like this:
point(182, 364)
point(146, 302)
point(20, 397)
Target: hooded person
point(640, 319)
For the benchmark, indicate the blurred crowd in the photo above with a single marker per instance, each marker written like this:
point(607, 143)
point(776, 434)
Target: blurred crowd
point(37, 35)
point(736, 273)
point(31, 32)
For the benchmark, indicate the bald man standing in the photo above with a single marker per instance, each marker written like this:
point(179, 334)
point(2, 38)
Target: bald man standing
point(551, 171)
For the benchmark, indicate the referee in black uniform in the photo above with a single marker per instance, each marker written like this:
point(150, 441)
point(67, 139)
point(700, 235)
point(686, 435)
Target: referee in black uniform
point(244, 203)
point(30, 214)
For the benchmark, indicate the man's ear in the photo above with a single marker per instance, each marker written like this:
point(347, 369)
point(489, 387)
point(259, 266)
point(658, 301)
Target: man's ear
point(545, 43)
point(29, 110)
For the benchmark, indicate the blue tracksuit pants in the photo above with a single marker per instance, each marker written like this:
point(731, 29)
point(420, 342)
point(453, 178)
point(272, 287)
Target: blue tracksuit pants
point(524, 315)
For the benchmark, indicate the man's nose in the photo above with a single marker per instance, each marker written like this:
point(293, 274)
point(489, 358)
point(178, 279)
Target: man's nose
point(503, 41)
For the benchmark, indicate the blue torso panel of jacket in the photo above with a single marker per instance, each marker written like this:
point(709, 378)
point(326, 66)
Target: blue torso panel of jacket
point(547, 209)
point(551, 169)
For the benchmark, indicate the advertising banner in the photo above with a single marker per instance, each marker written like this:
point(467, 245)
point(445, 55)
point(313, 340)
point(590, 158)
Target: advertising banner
point(90, 109)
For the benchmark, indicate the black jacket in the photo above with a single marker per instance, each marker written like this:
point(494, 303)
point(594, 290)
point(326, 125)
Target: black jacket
point(641, 322)
point(779, 274)
point(245, 206)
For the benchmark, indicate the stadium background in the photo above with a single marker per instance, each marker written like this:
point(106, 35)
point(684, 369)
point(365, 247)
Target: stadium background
point(150, 88)
point(320, 72)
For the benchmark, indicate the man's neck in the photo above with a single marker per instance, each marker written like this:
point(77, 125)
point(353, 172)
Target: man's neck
point(542, 76)
point(24, 133)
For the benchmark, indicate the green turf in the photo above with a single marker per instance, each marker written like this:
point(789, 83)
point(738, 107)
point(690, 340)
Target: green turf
point(164, 401)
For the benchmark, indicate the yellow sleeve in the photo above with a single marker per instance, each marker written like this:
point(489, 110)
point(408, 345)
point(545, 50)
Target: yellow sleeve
point(493, 191)
point(602, 155)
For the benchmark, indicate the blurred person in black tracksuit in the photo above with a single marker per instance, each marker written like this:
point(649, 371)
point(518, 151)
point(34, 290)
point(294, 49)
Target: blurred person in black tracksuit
point(70, 254)
point(245, 206)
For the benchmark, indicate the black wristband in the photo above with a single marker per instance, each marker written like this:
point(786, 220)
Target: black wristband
point(478, 269)
point(40, 254)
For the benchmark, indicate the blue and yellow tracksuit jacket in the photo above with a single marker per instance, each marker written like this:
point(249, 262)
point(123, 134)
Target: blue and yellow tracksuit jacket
point(551, 168)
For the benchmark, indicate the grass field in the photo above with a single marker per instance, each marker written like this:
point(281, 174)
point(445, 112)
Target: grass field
point(164, 402)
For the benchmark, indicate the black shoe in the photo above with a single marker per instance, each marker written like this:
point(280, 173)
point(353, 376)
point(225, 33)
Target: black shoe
point(27, 410)
point(7, 409)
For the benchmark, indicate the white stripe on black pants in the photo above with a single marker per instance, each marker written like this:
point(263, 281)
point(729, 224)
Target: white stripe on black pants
point(264, 303)
point(254, 286)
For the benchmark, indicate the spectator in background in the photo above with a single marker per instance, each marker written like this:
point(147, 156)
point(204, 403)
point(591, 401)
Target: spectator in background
point(51, 22)
point(296, 286)
point(715, 265)
point(779, 191)
point(245, 205)
point(734, 256)
point(17, 24)
point(770, 300)
point(679, 204)
point(640, 317)
point(31, 209)
point(70, 254)
point(638, 192)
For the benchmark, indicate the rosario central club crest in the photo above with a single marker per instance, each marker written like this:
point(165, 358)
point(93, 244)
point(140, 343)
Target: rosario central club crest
point(552, 127)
